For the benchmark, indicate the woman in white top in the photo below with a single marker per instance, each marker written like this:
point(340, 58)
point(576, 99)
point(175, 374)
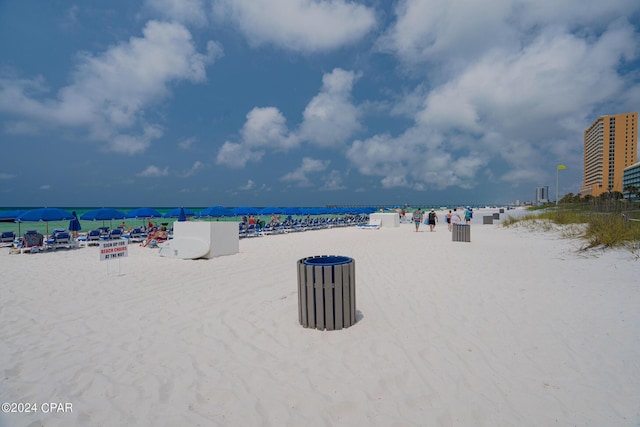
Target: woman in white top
point(455, 217)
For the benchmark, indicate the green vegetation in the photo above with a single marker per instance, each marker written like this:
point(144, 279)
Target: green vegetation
point(607, 221)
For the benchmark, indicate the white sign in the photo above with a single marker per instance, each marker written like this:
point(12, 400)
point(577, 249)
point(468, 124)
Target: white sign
point(112, 249)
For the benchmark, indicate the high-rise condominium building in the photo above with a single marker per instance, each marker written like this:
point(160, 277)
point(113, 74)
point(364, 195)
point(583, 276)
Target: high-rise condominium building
point(610, 145)
point(542, 195)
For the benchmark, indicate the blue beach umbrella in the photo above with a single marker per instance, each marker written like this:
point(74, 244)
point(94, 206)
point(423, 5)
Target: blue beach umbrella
point(11, 215)
point(291, 211)
point(182, 217)
point(175, 213)
point(102, 214)
point(306, 211)
point(367, 210)
point(215, 212)
point(245, 210)
point(142, 213)
point(45, 215)
point(271, 210)
point(74, 224)
point(309, 211)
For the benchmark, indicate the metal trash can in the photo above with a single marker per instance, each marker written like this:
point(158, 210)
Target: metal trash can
point(461, 233)
point(496, 216)
point(501, 211)
point(487, 219)
point(327, 292)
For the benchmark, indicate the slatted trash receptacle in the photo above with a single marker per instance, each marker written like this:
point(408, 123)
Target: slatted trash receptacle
point(327, 292)
point(496, 216)
point(487, 219)
point(461, 233)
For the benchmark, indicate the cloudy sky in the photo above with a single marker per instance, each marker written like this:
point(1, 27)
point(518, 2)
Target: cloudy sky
point(305, 102)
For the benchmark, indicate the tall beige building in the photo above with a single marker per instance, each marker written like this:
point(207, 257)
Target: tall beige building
point(610, 145)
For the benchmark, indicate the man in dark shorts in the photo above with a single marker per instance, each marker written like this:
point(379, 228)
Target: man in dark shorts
point(433, 218)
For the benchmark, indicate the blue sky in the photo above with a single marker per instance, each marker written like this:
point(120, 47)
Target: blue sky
point(307, 102)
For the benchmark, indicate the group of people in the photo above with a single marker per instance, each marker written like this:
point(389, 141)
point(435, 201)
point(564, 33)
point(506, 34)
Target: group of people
point(155, 236)
point(452, 217)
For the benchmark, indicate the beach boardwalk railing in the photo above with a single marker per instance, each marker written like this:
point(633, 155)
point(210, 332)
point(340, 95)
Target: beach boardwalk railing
point(327, 292)
point(461, 233)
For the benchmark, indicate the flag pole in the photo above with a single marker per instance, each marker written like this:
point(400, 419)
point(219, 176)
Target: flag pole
point(558, 168)
point(557, 173)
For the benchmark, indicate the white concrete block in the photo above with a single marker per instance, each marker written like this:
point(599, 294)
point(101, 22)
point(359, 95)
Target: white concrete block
point(387, 219)
point(221, 236)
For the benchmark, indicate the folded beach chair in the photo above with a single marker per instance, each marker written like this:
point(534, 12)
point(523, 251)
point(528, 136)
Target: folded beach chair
point(32, 242)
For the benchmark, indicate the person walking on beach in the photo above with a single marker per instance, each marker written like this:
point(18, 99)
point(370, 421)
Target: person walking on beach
point(417, 218)
point(455, 217)
point(432, 218)
point(468, 214)
point(448, 218)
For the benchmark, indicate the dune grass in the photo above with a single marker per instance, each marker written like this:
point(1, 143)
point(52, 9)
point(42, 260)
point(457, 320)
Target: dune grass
point(595, 227)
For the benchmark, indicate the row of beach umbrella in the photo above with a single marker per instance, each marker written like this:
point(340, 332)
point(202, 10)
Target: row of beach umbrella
point(107, 214)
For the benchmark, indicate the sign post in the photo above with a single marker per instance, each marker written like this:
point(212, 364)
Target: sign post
point(112, 249)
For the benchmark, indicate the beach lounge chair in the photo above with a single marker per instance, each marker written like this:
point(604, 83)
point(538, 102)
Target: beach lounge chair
point(254, 230)
point(278, 228)
point(93, 237)
point(373, 224)
point(136, 235)
point(60, 239)
point(114, 234)
point(104, 232)
point(7, 237)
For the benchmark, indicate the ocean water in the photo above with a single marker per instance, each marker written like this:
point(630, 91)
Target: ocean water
point(44, 228)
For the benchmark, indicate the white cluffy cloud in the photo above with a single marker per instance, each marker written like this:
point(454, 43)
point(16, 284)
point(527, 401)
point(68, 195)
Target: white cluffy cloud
point(250, 185)
point(460, 32)
point(298, 25)
point(110, 92)
point(194, 169)
point(153, 171)
point(328, 120)
point(300, 176)
point(501, 97)
point(184, 11)
point(265, 128)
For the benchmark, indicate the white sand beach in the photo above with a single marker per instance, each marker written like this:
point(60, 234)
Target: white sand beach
point(515, 328)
